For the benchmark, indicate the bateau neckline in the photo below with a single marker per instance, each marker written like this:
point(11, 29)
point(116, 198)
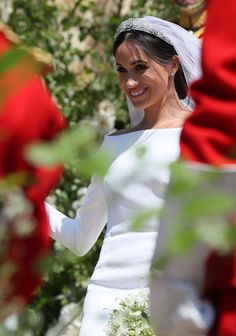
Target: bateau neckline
point(154, 130)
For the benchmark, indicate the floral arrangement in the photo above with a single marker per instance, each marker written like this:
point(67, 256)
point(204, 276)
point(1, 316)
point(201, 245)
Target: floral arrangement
point(131, 318)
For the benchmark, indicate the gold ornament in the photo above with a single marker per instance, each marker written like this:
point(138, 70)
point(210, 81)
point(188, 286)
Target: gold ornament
point(193, 15)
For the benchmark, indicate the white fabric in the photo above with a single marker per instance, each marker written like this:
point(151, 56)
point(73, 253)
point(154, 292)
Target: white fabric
point(130, 187)
point(188, 48)
point(176, 305)
point(80, 238)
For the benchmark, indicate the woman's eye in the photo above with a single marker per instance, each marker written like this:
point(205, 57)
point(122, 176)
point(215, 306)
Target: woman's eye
point(120, 69)
point(141, 67)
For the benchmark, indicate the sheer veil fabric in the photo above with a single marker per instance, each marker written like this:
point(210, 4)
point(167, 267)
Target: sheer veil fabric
point(187, 47)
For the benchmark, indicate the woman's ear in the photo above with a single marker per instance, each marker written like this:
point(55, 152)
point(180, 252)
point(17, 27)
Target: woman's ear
point(174, 65)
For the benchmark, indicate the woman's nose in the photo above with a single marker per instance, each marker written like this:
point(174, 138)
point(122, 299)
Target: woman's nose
point(131, 82)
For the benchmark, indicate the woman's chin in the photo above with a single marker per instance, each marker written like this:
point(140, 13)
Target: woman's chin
point(139, 106)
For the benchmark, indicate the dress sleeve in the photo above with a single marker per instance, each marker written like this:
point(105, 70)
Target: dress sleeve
point(80, 234)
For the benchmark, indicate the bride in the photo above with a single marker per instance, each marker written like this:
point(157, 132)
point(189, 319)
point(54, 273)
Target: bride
point(156, 62)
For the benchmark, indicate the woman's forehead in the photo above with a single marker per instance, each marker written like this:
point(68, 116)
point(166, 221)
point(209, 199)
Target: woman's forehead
point(130, 52)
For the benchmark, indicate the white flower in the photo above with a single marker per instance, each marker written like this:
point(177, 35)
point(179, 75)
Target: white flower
point(108, 6)
point(84, 79)
point(105, 107)
point(16, 210)
point(62, 4)
point(74, 66)
point(58, 246)
point(105, 117)
point(6, 8)
point(111, 6)
point(126, 7)
point(105, 123)
point(81, 194)
point(87, 43)
point(89, 122)
point(11, 323)
point(72, 35)
point(88, 17)
point(51, 199)
point(131, 316)
point(76, 204)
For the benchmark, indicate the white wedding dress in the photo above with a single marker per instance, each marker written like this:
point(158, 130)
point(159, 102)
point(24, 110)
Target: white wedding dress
point(136, 182)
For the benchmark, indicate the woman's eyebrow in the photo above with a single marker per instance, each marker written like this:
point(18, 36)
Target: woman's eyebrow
point(138, 61)
point(133, 63)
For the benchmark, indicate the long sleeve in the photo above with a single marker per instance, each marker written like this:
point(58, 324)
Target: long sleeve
point(80, 234)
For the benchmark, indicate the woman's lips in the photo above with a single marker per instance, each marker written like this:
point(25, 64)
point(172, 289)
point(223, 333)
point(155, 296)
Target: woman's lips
point(137, 93)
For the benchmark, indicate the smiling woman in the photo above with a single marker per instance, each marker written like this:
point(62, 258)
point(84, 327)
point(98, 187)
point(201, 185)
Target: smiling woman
point(152, 78)
point(156, 67)
point(133, 185)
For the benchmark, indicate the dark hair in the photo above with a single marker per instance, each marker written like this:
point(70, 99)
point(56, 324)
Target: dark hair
point(159, 50)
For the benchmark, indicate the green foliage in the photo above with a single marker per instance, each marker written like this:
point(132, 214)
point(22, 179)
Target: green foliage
point(11, 58)
point(142, 218)
point(203, 213)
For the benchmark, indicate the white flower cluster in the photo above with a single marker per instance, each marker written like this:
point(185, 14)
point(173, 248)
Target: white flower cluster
point(62, 4)
point(11, 323)
point(15, 210)
point(111, 6)
point(72, 35)
point(105, 117)
point(131, 317)
point(103, 120)
point(15, 219)
point(65, 6)
point(80, 193)
point(6, 8)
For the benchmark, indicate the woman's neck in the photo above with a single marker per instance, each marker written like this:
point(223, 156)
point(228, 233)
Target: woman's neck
point(171, 113)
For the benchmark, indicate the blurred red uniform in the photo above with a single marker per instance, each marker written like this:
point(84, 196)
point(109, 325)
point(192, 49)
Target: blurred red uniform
point(209, 136)
point(27, 115)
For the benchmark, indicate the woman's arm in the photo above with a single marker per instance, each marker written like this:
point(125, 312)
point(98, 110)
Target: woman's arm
point(80, 234)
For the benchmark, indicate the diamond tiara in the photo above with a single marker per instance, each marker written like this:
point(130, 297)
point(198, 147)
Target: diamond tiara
point(140, 25)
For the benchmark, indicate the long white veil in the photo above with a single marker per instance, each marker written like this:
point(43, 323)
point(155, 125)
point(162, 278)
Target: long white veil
point(187, 47)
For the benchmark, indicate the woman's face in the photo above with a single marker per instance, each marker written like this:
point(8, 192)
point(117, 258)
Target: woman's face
point(143, 80)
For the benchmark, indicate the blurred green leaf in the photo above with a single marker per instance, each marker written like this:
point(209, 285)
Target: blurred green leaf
point(64, 149)
point(11, 58)
point(142, 218)
point(206, 204)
